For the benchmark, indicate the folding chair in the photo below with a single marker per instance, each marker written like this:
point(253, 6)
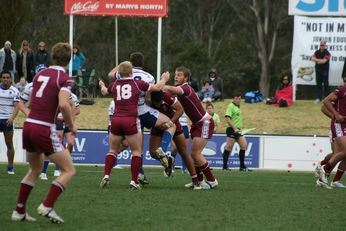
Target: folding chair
point(86, 83)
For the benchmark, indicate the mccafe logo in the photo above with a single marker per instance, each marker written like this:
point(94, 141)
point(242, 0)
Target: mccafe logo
point(86, 7)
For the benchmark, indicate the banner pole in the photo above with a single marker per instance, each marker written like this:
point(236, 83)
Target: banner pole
point(116, 41)
point(159, 36)
point(71, 44)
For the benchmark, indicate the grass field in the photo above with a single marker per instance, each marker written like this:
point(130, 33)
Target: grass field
point(258, 200)
point(302, 118)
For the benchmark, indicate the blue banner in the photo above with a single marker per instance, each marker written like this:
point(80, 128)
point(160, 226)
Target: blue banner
point(91, 147)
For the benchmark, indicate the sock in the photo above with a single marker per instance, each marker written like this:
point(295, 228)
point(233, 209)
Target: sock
point(10, 167)
point(328, 167)
point(141, 170)
point(174, 154)
point(166, 140)
point(225, 156)
point(194, 179)
point(135, 166)
point(45, 166)
point(109, 162)
point(207, 172)
point(24, 192)
point(54, 192)
point(199, 173)
point(56, 168)
point(338, 175)
point(324, 161)
point(242, 158)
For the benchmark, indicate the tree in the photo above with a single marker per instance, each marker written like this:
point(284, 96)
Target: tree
point(264, 18)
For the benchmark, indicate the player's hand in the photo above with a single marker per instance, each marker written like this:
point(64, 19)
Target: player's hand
point(101, 84)
point(9, 121)
point(165, 76)
point(166, 125)
point(339, 118)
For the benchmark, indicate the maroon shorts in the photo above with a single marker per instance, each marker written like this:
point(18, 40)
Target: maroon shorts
point(203, 129)
point(125, 126)
point(337, 129)
point(158, 132)
point(41, 138)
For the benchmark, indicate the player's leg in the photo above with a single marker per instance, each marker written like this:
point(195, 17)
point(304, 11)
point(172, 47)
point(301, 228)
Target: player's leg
point(164, 122)
point(155, 140)
point(110, 158)
point(64, 161)
point(181, 145)
point(70, 140)
point(27, 184)
point(135, 143)
point(243, 146)
point(339, 173)
point(228, 148)
point(60, 127)
point(43, 175)
point(10, 150)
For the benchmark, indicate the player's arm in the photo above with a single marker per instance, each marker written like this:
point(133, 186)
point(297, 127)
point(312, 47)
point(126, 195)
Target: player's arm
point(179, 111)
point(326, 112)
point(21, 107)
point(65, 109)
point(104, 89)
point(328, 103)
point(111, 74)
point(231, 124)
point(159, 86)
point(173, 90)
point(14, 114)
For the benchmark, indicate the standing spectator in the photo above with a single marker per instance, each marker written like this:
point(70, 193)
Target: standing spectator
point(21, 84)
point(216, 117)
point(25, 62)
point(42, 55)
point(321, 57)
point(78, 60)
point(234, 121)
point(8, 59)
point(9, 98)
point(51, 91)
point(217, 83)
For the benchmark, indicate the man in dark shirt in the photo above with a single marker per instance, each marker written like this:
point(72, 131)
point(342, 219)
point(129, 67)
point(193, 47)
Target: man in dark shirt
point(42, 55)
point(321, 57)
point(8, 59)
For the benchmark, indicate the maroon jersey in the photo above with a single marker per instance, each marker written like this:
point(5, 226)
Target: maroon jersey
point(45, 93)
point(165, 107)
point(126, 92)
point(340, 104)
point(191, 103)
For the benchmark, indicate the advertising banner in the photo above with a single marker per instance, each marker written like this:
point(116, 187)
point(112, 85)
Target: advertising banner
point(317, 7)
point(308, 32)
point(145, 8)
point(91, 147)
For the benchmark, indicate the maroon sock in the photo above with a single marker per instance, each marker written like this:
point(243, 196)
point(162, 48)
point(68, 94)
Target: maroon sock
point(328, 167)
point(207, 172)
point(324, 161)
point(109, 162)
point(24, 192)
point(199, 173)
point(338, 175)
point(194, 179)
point(54, 192)
point(135, 167)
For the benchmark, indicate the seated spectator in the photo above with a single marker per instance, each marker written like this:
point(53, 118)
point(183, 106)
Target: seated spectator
point(283, 94)
point(21, 84)
point(217, 83)
point(207, 92)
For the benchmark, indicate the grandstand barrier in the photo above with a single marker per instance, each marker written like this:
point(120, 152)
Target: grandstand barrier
point(296, 153)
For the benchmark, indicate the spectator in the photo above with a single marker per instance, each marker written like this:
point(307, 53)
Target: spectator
point(78, 60)
point(217, 83)
point(216, 117)
point(8, 59)
point(283, 94)
point(321, 57)
point(207, 92)
point(21, 84)
point(42, 55)
point(193, 84)
point(25, 62)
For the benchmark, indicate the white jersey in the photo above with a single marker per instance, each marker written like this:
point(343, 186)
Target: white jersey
point(111, 108)
point(8, 98)
point(183, 119)
point(26, 93)
point(74, 99)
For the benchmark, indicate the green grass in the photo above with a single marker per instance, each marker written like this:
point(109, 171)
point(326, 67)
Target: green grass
point(258, 200)
point(302, 118)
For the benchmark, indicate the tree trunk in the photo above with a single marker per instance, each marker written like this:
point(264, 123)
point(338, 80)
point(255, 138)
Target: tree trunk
point(264, 83)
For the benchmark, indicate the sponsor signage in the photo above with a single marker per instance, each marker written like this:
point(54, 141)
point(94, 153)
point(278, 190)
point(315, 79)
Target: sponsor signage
point(308, 32)
point(145, 8)
point(317, 7)
point(91, 148)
